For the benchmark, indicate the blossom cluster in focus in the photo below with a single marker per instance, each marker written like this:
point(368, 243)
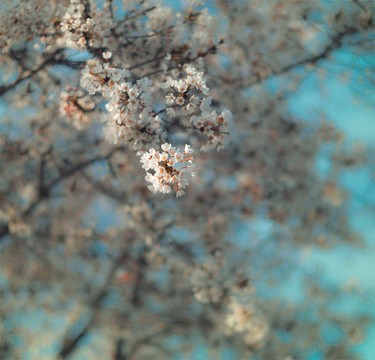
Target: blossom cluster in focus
point(172, 168)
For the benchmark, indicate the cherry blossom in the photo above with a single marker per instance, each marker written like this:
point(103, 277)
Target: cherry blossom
point(171, 168)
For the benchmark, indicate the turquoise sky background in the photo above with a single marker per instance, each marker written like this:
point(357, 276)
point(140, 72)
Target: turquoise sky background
point(350, 105)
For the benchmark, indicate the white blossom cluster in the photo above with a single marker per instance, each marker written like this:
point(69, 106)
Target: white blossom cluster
point(206, 289)
point(247, 320)
point(101, 78)
point(190, 96)
point(80, 30)
point(130, 104)
point(215, 127)
point(171, 168)
point(133, 120)
point(198, 37)
point(190, 93)
point(211, 281)
point(27, 21)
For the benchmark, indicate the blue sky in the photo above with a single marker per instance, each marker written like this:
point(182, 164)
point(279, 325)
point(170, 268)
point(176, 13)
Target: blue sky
point(350, 105)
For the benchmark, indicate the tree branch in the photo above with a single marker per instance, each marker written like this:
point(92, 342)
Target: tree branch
point(71, 342)
point(50, 60)
point(4, 229)
point(210, 50)
point(119, 354)
point(335, 44)
point(82, 165)
point(146, 62)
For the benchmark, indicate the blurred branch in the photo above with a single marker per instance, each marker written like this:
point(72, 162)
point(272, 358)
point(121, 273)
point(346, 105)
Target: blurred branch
point(51, 59)
point(211, 50)
point(119, 354)
point(30, 73)
point(4, 230)
point(359, 4)
point(70, 341)
point(112, 10)
point(142, 264)
point(130, 17)
point(104, 189)
point(82, 165)
point(335, 43)
point(44, 190)
point(160, 57)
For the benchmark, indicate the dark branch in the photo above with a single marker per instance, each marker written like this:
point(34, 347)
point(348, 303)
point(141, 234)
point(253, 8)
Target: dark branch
point(119, 354)
point(146, 62)
point(210, 50)
point(335, 44)
point(71, 342)
point(51, 59)
point(82, 165)
point(47, 188)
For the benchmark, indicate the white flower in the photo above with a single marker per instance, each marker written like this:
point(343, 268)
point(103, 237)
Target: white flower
point(144, 83)
point(190, 70)
point(171, 168)
point(188, 149)
point(170, 99)
point(166, 147)
point(182, 86)
point(180, 100)
point(190, 108)
point(125, 86)
point(194, 100)
point(206, 103)
point(169, 83)
point(133, 92)
point(227, 115)
point(64, 27)
point(80, 7)
point(180, 193)
point(116, 74)
point(84, 27)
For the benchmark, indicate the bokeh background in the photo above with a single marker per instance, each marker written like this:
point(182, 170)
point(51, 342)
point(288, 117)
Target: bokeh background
point(340, 90)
